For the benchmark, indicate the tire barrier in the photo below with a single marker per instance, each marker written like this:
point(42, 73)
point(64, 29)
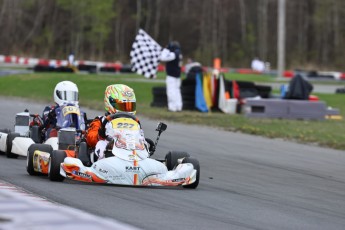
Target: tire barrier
point(249, 89)
point(246, 90)
point(88, 68)
point(264, 91)
point(159, 97)
point(340, 90)
point(108, 69)
point(126, 69)
point(113, 69)
point(60, 69)
point(187, 92)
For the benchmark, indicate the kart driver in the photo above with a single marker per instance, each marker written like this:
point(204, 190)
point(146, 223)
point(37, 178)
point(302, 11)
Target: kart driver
point(65, 92)
point(117, 98)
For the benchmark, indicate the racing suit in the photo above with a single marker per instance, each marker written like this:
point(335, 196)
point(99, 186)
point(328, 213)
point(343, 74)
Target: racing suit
point(92, 136)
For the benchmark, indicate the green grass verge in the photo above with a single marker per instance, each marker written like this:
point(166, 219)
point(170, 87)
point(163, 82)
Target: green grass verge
point(39, 87)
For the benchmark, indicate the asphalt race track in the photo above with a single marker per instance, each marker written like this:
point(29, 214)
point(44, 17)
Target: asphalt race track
point(247, 182)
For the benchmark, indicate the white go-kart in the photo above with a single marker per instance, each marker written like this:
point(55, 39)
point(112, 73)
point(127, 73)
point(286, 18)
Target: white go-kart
point(28, 130)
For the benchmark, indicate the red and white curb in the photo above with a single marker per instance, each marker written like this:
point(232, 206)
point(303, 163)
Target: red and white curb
point(20, 209)
point(11, 59)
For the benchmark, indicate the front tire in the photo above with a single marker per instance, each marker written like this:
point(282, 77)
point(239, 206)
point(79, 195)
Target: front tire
point(56, 158)
point(30, 156)
point(9, 140)
point(196, 166)
point(171, 158)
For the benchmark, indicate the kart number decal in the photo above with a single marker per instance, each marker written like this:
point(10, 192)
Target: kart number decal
point(125, 123)
point(70, 109)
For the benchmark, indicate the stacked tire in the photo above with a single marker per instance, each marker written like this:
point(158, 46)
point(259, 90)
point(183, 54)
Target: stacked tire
point(159, 97)
point(340, 90)
point(187, 91)
point(188, 94)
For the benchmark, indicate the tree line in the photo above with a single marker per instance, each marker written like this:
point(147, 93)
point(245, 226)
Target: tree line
point(234, 30)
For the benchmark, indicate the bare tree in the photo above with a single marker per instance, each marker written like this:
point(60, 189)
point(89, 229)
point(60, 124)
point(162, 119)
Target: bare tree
point(243, 20)
point(231, 30)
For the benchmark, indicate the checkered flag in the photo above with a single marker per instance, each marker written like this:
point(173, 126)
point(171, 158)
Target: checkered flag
point(145, 55)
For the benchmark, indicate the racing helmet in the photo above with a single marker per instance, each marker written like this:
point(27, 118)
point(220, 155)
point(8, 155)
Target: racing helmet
point(119, 98)
point(66, 92)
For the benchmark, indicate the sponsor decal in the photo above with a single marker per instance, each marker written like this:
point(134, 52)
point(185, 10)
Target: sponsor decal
point(132, 169)
point(81, 174)
point(128, 93)
point(131, 157)
point(44, 157)
point(103, 171)
point(119, 178)
point(178, 180)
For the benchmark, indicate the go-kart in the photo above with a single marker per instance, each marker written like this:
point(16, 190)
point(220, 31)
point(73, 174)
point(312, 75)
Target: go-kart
point(29, 131)
point(127, 160)
point(71, 129)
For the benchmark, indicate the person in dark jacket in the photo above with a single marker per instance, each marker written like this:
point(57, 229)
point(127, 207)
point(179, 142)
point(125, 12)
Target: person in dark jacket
point(173, 57)
point(299, 89)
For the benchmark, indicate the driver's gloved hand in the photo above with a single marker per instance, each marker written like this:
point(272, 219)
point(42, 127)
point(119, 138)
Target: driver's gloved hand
point(101, 132)
point(51, 114)
point(152, 147)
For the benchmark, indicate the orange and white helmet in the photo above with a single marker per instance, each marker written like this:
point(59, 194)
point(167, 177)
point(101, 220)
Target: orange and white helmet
point(119, 98)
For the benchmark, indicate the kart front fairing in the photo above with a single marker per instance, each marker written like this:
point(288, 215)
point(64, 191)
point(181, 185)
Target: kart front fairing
point(130, 163)
point(114, 170)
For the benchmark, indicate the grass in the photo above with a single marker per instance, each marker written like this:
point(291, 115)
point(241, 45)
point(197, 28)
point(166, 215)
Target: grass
point(39, 87)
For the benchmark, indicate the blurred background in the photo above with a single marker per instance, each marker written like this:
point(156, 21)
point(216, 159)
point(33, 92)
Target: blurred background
point(234, 30)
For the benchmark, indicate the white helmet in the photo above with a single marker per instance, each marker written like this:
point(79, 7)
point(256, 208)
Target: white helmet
point(66, 92)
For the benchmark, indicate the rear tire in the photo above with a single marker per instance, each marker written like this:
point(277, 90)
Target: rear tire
point(10, 138)
point(56, 158)
point(196, 166)
point(171, 158)
point(30, 156)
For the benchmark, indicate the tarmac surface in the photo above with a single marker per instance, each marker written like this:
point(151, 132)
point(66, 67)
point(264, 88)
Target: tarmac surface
point(246, 182)
point(20, 209)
